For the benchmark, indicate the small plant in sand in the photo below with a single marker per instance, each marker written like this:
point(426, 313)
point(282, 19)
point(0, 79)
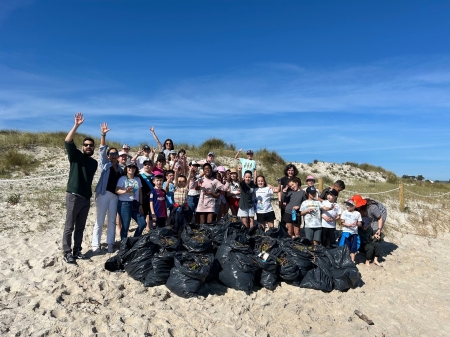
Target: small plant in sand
point(13, 199)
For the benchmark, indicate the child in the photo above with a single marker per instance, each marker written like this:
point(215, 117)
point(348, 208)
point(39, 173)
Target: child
point(158, 202)
point(293, 199)
point(310, 181)
point(234, 192)
point(264, 209)
point(338, 186)
point(310, 209)
point(331, 212)
point(350, 220)
point(246, 203)
point(181, 212)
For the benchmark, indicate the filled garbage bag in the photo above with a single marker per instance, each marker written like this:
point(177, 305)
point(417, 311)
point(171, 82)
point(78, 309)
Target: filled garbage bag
point(165, 238)
point(114, 263)
point(216, 232)
point(130, 245)
point(196, 240)
point(263, 244)
point(300, 254)
point(239, 271)
point(269, 272)
point(188, 275)
point(288, 269)
point(223, 253)
point(318, 278)
point(162, 263)
point(344, 272)
point(277, 233)
point(141, 263)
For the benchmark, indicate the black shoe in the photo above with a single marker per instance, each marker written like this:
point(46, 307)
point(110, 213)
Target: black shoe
point(79, 256)
point(68, 258)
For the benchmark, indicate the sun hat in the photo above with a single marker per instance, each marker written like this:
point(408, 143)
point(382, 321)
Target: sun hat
point(359, 201)
point(310, 177)
point(233, 170)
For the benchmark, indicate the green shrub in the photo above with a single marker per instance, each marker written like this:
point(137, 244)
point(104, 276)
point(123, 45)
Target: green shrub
point(13, 199)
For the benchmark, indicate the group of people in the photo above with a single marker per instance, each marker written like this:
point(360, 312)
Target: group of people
point(158, 187)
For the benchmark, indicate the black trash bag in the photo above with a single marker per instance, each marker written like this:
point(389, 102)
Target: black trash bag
point(288, 270)
point(277, 233)
point(346, 278)
point(300, 253)
point(196, 240)
point(162, 263)
point(141, 264)
point(165, 238)
point(216, 230)
point(263, 244)
point(255, 230)
point(114, 263)
point(223, 253)
point(318, 278)
point(188, 274)
point(130, 245)
point(236, 232)
point(269, 272)
point(340, 257)
point(239, 272)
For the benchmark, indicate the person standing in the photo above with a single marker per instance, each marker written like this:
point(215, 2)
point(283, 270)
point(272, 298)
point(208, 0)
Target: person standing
point(78, 191)
point(247, 164)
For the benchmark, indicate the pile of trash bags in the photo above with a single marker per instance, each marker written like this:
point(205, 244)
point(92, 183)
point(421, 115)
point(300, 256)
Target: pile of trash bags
point(238, 257)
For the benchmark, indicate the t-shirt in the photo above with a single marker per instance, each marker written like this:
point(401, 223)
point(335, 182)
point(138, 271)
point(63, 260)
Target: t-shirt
point(313, 219)
point(235, 188)
point(331, 213)
point(124, 182)
point(284, 183)
point(349, 218)
point(247, 165)
point(158, 197)
point(246, 200)
point(140, 162)
point(263, 196)
point(375, 210)
point(145, 187)
point(294, 198)
point(169, 194)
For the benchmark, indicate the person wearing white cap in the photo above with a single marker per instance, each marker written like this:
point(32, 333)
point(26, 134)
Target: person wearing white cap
point(210, 160)
point(126, 149)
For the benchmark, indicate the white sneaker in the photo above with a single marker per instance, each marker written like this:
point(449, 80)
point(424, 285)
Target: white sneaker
point(96, 250)
point(110, 248)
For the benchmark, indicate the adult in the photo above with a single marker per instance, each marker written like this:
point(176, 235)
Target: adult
point(105, 193)
point(372, 209)
point(126, 149)
point(78, 191)
point(146, 177)
point(168, 144)
point(123, 156)
point(209, 192)
point(143, 155)
point(370, 242)
point(290, 171)
point(210, 160)
point(129, 189)
point(247, 164)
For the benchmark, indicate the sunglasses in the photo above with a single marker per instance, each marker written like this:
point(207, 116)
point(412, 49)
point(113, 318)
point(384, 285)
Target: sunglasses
point(148, 164)
point(113, 154)
point(181, 181)
point(88, 145)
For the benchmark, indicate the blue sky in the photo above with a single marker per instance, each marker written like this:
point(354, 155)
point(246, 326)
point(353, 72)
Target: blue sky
point(337, 81)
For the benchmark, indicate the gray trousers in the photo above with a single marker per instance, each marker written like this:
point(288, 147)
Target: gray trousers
point(77, 209)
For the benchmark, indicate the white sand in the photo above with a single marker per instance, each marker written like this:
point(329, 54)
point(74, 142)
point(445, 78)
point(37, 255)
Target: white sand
point(40, 295)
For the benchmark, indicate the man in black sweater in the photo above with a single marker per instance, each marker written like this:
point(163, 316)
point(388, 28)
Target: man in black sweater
point(78, 192)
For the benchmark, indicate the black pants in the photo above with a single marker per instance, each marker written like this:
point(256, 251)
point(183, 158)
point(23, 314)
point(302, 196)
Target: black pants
point(328, 236)
point(77, 210)
point(372, 250)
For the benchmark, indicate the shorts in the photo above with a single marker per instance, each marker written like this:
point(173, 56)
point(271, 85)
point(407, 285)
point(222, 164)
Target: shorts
point(234, 202)
point(265, 217)
point(313, 234)
point(287, 217)
point(246, 213)
point(351, 242)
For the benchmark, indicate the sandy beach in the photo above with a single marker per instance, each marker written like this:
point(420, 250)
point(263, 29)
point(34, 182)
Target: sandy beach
point(40, 295)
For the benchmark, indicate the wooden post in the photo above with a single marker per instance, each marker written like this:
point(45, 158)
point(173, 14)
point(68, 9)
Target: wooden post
point(401, 197)
point(320, 185)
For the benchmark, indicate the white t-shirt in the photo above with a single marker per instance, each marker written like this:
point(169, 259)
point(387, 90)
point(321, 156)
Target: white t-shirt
point(313, 219)
point(235, 189)
point(140, 162)
point(124, 182)
point(263, 199)
point(350, 218)
point(331, 213)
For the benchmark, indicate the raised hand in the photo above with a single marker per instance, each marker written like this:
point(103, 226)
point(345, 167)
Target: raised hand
point(152, 129)
point(79, 119)
point(104, 128)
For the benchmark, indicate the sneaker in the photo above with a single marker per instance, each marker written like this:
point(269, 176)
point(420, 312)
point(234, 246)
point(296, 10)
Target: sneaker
point(96, 250)
point(68, 258)
point(110, 248)
point(78, 255)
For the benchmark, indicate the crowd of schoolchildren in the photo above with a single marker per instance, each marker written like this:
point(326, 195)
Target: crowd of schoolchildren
point(158, 187)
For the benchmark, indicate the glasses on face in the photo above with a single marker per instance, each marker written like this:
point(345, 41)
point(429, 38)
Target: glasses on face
point(113, 154)
point(88, 145)
point(168, 143)
point(180, 181)
point(148, 164)
point(132, 167)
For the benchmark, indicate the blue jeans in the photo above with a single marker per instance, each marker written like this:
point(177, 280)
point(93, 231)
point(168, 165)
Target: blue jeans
point(128, 210)
point(193, 202)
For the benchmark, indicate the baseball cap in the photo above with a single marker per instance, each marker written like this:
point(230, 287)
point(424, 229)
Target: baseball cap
point(211, 154)
point(249, 152)
point(122, 153)
point(221, 169)
point(310, 177)
point(125, 146)
point(193, 163)
point(350, 203)
point(130, 163)
point(332, 192)
point(146, 147)
point(311, 190)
